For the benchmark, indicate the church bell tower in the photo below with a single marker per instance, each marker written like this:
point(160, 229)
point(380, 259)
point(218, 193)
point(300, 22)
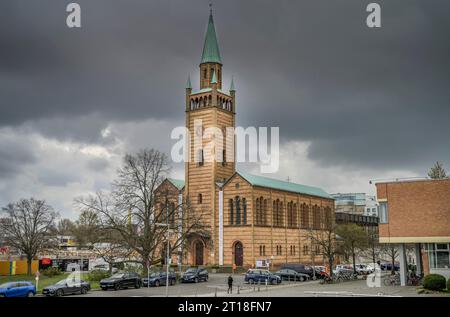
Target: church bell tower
point(214, 108)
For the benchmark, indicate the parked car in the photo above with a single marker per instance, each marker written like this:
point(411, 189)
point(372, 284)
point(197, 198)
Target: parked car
point(17, 289)
point(363, 269)
point(299, 268)
point(121, 280)
point(387, 266)
point(344, 268)
point(261, 276)
point(159, 278)
point(291, 275)
point(67, 287)
point(105, 267)
point(195, 275)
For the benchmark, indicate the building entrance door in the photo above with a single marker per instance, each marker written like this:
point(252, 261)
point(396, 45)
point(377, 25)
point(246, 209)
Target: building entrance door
point(238, 254)
point(198, 253)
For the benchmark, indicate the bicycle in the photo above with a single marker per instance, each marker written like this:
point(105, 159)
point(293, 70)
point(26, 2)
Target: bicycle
point(392, 280)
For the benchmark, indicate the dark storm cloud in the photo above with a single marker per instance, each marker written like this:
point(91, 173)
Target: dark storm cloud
point(14, 156)
point(363, 97)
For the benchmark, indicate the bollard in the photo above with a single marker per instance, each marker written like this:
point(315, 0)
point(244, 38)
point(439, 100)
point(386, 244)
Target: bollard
point(267, 288)
point(259, 285)
point(239, 289)
point(215, 293)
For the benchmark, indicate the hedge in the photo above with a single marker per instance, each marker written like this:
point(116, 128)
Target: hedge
point(434, 282)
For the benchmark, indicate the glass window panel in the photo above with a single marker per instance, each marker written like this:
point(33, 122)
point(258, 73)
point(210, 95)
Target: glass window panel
point(442, 258)
point(432, 260)
point(441, 246)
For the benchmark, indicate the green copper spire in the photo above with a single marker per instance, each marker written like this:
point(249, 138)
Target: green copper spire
point(214, 78)
point(188, 84)
point(232, 84)
point(211, 52)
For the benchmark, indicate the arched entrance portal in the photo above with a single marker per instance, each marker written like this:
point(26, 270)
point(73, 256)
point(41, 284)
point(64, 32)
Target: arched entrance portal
point(238, 254)
point(198, 251)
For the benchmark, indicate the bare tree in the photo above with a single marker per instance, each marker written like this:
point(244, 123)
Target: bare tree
point(111, 249)
point(29, 227)
point(139, 213)
point(373, 249)
point(87, 229)
point(353, 239)
point(325, 239)
point(390, 252)
point(65, 227)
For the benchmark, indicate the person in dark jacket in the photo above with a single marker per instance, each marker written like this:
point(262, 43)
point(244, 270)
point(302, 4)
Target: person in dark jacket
point(230, 285)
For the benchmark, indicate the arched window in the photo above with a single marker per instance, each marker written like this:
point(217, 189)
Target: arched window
point(264, 212)
point(328, 219)
point(231, 211)
point(238, 210)
point(278, 216)
point(316, 217)
point(257, 212)
point(305, 216)
point(244, 210)
point(205, 73)
point(200, 199)
point(172, 211)
point(200, 157)
point(294, 216)
point(224, 157)
point(291, 215)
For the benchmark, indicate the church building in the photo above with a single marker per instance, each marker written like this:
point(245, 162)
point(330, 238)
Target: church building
point(249, 219)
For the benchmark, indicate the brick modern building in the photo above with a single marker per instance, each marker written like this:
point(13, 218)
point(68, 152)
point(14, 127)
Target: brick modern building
point(249, 219)
point(417, 212)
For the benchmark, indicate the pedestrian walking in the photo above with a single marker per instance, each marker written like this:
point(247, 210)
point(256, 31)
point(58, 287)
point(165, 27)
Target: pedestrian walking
point(230, 285)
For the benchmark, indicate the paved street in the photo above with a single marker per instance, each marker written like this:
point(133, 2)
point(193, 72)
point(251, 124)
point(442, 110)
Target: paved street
point(217, 286)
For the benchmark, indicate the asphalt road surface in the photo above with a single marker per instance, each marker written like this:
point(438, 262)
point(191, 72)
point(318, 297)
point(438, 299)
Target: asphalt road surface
point(216, 285)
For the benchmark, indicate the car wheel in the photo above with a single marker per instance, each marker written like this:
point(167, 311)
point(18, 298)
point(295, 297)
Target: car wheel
point(137, 285)
point(29, 294)
point(83, 291)
point(302, 278)
point(104, 288)
point(272, 282)
point(196, 280)
point(206, 279)
point(172, 282)
point(116, 287)
point(59, 293)
point(251, 281)
point(157, 283)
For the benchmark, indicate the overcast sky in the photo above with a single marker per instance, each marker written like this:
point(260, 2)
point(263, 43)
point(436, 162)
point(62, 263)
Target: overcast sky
point(352, 103)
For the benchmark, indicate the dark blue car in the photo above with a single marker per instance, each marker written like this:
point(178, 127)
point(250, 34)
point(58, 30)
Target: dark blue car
point(261, 276)
point(17, 289)
point(159, 278)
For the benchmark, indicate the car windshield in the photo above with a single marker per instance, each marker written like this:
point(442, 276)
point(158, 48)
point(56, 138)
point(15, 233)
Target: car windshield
point(120, 275)
point(6, 285)
point(191, 270)
point(154, 274)
point(62, 282)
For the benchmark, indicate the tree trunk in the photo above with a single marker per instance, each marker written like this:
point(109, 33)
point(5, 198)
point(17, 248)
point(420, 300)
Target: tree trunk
point(354, 261)
point(330, 262)
point(29, 263)
point(373, 253)
point(144, 268)
point(393, 264)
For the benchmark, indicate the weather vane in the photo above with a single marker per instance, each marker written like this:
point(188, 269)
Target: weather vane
point(210, 7)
